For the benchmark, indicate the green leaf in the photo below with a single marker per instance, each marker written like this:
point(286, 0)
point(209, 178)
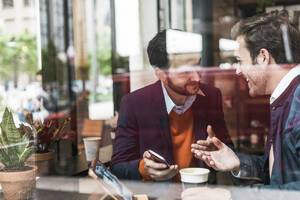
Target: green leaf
point(7, 139)
point(4, 158)
point(22, 146)
point(26, 154)
point(11, 133)
point(14, 149)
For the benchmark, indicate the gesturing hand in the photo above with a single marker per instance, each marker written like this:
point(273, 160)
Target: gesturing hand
point(205, 145)
point(215, 153)
point(158, 171)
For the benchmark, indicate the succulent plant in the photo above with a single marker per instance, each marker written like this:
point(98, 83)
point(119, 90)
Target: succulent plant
point(15, 148)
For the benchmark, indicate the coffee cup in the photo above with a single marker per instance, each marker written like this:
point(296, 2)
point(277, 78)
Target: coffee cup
point(193, 177)
point(91, 145)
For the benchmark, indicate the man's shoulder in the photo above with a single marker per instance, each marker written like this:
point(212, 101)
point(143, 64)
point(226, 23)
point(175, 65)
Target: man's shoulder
point(144, 92)
point(296, 98)
point(208, 89)
point(211, 96)
point(294, 114)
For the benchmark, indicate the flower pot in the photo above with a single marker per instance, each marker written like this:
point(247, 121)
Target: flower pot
point(18, 185)
point(44, 162)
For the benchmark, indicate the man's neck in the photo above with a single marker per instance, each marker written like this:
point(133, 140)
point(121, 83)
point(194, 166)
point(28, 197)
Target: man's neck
point(275, 76)
point(178, 99)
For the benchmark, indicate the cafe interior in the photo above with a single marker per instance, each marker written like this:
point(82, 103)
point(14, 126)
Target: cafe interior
point(65, 66)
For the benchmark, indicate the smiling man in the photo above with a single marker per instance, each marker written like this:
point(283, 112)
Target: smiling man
point(266, 42)
point(167, 116)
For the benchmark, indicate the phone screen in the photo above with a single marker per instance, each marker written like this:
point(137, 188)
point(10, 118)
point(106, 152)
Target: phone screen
point(158, 158)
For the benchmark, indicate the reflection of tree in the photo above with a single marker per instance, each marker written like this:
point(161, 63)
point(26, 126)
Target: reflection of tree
point(4, 55)
point(104, 58)
point(55, 77)
point(52, 66)
point(17, 54)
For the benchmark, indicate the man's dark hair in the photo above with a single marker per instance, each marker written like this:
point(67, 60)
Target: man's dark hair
point(264, 31)
point(157, 50)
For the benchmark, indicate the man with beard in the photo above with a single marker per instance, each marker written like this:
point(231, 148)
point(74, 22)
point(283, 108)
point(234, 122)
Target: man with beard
point(166, 117)
point(265, 42)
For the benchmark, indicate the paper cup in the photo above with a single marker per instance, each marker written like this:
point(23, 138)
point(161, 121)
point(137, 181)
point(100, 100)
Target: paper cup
point(91, 145)
point(193, 177)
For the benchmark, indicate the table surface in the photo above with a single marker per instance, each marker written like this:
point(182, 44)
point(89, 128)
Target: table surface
point(71, 166)
point(87, 188)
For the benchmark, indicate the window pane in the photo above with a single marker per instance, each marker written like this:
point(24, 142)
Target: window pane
point(8, 3)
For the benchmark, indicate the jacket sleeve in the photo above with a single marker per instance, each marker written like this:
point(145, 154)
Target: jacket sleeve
point(217, 120)
point(253, 166)
point(292, 142)
point(125, 159)
point(251, 169)
point(292, 139)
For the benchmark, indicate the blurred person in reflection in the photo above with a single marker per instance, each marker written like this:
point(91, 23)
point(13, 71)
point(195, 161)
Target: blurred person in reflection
point(261, 53)
point(166, 117)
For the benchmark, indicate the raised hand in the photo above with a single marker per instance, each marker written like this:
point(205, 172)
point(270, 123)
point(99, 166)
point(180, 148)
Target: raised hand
point(221, 159)
point(205, 145)
point(210, 132)
point(158, 171)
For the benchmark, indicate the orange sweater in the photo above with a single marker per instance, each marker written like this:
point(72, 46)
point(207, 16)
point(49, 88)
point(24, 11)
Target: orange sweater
point(181, 129)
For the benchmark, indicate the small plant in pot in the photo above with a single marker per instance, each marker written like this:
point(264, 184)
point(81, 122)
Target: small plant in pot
point(43, 135)
point(17, 180)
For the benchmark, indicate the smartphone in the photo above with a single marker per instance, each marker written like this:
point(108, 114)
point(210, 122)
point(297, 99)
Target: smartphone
point(158, 158)
point(115, 188)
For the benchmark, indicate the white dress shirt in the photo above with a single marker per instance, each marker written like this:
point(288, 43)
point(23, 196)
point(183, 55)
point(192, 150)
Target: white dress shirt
point(178, 109)
point(285, 82)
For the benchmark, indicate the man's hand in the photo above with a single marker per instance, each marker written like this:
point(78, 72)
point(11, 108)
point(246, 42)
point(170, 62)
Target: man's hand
point(215, 153)
point(205, 193)
point(158, 171)
point(222, 159)
point(205, 145)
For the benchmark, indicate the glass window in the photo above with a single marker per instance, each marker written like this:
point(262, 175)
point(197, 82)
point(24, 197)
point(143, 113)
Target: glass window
point(7, 4)
point(28, 3)
point(201, 83)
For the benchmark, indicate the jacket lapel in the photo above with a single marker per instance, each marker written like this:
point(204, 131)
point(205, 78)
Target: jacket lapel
point(160, 105)
point(200, 121)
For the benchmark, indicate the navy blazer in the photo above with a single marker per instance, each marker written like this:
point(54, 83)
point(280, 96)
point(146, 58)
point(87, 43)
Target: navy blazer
point(285, 137)
point(143, 125)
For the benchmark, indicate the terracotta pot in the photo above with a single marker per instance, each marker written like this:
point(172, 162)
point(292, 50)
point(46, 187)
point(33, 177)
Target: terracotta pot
point(44, 162)
point(18, 185)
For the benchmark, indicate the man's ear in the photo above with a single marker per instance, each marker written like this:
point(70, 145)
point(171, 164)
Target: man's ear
point(264, 57)
point(160, 74)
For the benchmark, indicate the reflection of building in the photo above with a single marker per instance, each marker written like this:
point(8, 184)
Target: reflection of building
point(17, 15)
point(56, 23)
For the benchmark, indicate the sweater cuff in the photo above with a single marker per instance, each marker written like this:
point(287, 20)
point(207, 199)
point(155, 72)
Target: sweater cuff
point(142, 171)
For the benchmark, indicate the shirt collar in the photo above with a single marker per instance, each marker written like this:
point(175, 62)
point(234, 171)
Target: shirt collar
point(284, 83)
point(178, 109)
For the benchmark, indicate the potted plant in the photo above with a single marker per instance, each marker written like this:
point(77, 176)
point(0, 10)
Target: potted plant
point(44, 134)
point(17, 180)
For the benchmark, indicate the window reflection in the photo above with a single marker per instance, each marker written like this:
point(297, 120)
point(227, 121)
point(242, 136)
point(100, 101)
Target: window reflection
point(81, 60)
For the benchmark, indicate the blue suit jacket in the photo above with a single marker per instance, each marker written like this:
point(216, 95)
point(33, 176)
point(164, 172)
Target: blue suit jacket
point(143, 125)
point(285, 137)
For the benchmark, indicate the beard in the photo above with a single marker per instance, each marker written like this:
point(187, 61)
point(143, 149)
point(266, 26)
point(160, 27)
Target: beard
point(257, 80)
point(257, 87)
point(184, 89)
